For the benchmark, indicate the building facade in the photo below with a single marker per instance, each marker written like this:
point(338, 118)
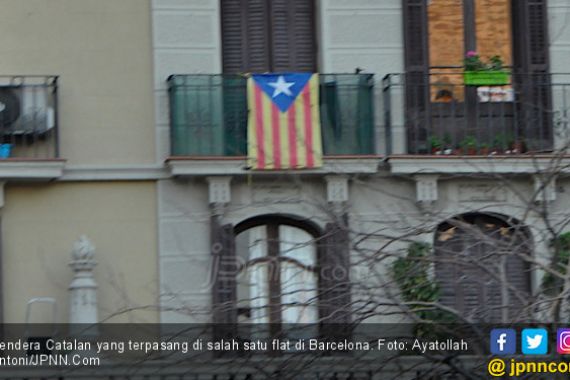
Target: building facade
point(137, 138)
point(399, 127)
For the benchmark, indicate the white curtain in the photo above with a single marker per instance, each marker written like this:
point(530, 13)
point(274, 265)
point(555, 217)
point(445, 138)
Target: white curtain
point(298, 285)
point(257, 276)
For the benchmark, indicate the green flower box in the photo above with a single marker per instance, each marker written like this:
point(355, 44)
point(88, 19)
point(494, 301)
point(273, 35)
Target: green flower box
point(486, 78)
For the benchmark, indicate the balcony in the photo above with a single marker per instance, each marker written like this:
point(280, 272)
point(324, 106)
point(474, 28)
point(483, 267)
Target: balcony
point(208, 117)
point(28, 128)
point(436, 114)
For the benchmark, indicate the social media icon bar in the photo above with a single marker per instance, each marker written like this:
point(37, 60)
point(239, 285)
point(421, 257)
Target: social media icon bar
point(504, 341)
point(535, 341)
point(563, 341)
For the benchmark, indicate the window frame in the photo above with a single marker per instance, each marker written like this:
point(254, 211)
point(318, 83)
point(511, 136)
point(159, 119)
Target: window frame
point(273, 254)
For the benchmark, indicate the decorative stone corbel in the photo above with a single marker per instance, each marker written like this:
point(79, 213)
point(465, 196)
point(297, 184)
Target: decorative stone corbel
point(219, 193)
point(337, 193)
point(544, 188)
point(337, 188)
point(426, 190)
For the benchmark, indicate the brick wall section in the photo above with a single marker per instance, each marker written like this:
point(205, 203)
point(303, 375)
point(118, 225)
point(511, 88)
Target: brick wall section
point(493, 25)
point(445, 27)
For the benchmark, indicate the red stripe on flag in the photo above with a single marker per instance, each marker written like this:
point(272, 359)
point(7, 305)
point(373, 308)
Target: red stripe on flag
point(259, 127)
point(308, 126)
point(276, 136)
point(292, 127)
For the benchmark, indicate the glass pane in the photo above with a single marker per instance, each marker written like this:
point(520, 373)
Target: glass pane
point(196, 109)
point(445, 30)
point(299, 285)
point(252, 282)
point(446, 49)
point(297, 244)
point(493, 29)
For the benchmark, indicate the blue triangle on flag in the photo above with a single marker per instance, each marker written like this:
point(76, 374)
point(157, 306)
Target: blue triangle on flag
point(282, 88)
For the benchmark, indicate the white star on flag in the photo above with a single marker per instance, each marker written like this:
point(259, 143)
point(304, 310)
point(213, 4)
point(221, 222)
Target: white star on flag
point(281, 87)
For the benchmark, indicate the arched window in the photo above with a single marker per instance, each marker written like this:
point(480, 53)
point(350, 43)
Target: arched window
point(277, 280)
point(281, 269)
point(481, 269)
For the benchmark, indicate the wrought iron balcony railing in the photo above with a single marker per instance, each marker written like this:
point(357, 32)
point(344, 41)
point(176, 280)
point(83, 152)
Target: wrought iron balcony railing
point(439, 114)
point(208, 114)
point(28, 117)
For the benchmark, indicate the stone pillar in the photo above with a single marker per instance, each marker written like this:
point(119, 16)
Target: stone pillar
point(83, 288)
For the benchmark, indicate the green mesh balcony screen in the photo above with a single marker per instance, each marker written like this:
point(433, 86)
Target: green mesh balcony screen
point(347, 120)
point(208, 114)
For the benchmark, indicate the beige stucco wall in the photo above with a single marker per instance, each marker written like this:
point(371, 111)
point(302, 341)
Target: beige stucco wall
point(39, 225)
point(101, 49)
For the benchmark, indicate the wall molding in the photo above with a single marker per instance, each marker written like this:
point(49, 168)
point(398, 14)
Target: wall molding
point(114, 173)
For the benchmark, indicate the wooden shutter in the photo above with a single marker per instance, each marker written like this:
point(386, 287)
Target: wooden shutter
point(224, 279)
point(462, 264)
point(531, 72)
point(293, 35)
point(334, 280)
point(416, 60)
point(268, 35)
point(245, 36)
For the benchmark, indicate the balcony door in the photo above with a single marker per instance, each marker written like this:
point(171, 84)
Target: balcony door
point(438, 34)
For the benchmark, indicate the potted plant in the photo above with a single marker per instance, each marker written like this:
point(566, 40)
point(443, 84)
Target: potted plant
point(484, 149)
point(514, 145)
point(435, 145)
point(447, 144)
point(457, 151)
point(479, 73)
point(499, 144)
point(469, 145)
point(518, 146)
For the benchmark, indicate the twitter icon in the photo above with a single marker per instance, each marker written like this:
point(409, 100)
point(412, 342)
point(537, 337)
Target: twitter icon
point(534, 342)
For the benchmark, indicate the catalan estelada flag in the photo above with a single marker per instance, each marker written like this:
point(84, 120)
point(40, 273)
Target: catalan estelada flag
point(284, 129)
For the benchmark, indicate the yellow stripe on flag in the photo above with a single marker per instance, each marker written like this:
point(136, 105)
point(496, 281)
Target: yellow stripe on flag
point(284, 139)
point(267, 132)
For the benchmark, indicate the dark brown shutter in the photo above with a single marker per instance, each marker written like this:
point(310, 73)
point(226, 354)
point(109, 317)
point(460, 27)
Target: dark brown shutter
point(245, 36)
point(466, 268)
point(224, 272)
point(233, 35)
point(531, 72)
point(334, 280)
point(416, 60)
point(293, 35)
point(268, 35)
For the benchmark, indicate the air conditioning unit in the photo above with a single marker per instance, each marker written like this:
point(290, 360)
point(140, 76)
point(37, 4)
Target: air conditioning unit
point(26, 110)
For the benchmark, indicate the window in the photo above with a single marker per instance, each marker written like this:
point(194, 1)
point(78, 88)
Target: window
point(437, 35)
point(280, 269)
point(277, 280)
point(268, 36)
point(480, 268)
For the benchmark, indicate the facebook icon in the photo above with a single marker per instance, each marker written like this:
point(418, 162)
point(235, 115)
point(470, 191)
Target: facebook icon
point(503, 341)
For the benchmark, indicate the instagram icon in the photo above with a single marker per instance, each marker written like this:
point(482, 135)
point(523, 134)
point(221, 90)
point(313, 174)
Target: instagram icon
point(563, 341)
